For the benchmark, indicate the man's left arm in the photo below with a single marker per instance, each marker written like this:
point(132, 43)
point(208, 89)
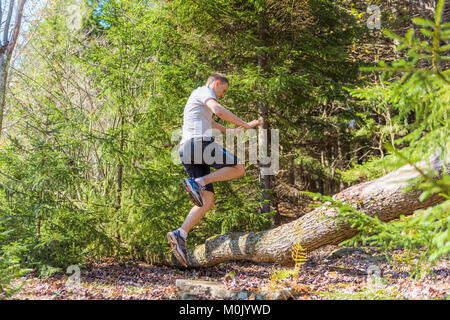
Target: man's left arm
point(218, 126)
point(223, 129)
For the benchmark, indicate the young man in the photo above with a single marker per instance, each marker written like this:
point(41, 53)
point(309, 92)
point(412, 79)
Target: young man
point(199, 153)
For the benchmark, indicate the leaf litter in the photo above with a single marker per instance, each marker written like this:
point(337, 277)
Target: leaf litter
point(327, 274)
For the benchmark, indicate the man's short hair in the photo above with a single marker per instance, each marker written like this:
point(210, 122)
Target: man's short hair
point(215, 77)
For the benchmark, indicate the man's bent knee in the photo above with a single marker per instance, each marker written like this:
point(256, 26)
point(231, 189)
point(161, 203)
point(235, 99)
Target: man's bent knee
point(241, 169)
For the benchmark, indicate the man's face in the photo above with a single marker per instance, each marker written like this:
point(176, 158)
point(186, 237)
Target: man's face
point(220, 89)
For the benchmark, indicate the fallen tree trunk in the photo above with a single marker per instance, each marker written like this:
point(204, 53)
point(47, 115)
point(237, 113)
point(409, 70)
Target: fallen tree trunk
point(383, 197)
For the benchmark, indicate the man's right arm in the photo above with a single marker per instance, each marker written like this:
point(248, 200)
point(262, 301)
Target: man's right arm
point(229, 116)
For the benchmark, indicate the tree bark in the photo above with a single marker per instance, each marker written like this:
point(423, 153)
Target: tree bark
point(384, 197)
point(264, 140)
point(6, 50)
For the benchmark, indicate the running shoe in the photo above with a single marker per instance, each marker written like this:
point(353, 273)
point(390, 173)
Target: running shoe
point(178, 245)
point(194, 189)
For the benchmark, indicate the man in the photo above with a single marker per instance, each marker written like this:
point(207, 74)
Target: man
point(199, 153)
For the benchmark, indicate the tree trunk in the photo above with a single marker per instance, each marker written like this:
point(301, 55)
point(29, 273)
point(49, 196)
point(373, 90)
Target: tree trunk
point(6, 50)
point(120, 173)
point(264, 139)
point(383, 197)
point(4, 66)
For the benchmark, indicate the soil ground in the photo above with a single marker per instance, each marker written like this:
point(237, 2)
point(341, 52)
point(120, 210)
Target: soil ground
point(329, 273)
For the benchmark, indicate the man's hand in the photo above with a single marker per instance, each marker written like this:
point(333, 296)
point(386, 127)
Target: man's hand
point(254, 123)
point(235, 130)
point(228, 116)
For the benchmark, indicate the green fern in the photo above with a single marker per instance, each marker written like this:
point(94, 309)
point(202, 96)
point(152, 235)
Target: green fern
point(282, 275)
point(298, 254)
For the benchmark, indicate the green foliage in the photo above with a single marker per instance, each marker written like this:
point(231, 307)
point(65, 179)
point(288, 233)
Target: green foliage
point(374, 168)
point(422, 98)
point(296, 69)
point(52, 229)
point(404, 259)
point(281, 275)
point(422, 91)
point(364, 294)
point(87, 169)
point(240, 213)
point(424, 234)
point(298, 255)
point(10, 264)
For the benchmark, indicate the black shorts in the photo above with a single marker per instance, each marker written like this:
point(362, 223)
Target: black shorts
point(198, 155)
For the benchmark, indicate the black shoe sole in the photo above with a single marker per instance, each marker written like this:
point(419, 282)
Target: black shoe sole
point(197, 202)
point(173, 244)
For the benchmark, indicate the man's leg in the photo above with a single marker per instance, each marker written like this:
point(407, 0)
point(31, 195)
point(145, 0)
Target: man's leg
point(197, 213)
point(177, 238)
point(224, 174)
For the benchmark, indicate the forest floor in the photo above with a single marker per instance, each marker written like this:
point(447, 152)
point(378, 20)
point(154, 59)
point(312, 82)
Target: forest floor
point(329, 273)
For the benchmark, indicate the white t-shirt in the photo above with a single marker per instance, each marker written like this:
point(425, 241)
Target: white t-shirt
point(197, 118)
